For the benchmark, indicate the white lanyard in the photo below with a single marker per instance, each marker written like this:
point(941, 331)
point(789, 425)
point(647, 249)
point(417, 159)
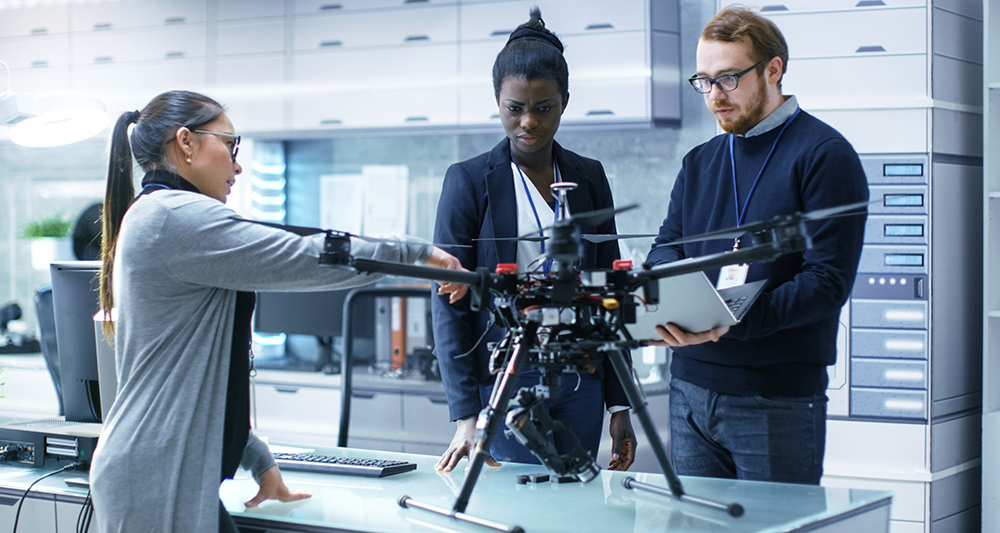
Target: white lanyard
point(527, 192)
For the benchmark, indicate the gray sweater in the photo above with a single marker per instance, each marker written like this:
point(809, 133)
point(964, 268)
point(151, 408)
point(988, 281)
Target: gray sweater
point(180, 261)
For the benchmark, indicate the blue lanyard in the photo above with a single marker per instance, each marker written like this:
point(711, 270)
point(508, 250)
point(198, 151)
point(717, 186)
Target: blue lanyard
point(732, 159)
point(527, 192)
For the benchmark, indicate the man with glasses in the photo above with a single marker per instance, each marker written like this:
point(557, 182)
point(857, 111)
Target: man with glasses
point(749, 401)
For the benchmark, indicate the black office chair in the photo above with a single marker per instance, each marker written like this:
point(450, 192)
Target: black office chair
point(47, 337)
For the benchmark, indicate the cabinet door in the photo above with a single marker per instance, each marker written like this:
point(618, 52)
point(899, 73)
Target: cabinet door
point(382, 28)
point(564, 17)
point(37, 514)
point(39, 51)
point(261, 109)
point(375, 416)
point(122, 46)
point(609, 77)
point(822, 6)
point(895, 31)
point(876, 131)
point(113, 15)
point(303, 7)
point(285, 408)
point(476, 97)
point(859, 82)
point(241, 9)
point(27, 21)
point(250, 37)
point(118, 85)
point(426, 420)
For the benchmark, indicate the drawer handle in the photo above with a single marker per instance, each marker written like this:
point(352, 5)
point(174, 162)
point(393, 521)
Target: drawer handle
point(331, 44)
point(330, 122)
point(42, 63)
point(174, 55)
point(330, 7)
point(415, 1)
point(175, 20)
point(869, 49)
point(415, 38)
point(39, 31)
point(773, 8)
point(362, 395)
point(286, 390)
point(104, 59)
point(501, 33)
point(494, 116)
point(600, 113)
point(600, 26)
point(437, 401)
point(417, 119)
point(103, 26)
point(870, 3)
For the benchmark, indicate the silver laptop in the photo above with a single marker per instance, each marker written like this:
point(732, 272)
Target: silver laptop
point(691, 302)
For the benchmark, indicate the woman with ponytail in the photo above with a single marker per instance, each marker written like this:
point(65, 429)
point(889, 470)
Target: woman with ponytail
point(179, 270)
point(502, 194)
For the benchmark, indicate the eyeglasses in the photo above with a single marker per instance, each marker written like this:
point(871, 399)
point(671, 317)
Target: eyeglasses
point(726, 82)
point(236, 147)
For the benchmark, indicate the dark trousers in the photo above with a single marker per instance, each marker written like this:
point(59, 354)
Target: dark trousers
point(580, 407)
point(746, 437)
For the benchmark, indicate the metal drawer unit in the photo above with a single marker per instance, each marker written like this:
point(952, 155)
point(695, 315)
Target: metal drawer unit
point(890, 348)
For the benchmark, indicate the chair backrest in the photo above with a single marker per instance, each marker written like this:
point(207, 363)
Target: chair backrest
point(47, 337)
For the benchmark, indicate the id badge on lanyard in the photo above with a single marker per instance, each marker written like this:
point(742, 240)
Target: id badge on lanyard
point(734, 275)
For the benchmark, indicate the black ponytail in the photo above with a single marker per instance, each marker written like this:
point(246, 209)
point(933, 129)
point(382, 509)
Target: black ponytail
point(155, 128)
point(532, 53)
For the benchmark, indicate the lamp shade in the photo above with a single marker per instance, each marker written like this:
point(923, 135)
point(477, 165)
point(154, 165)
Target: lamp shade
point(63, 117)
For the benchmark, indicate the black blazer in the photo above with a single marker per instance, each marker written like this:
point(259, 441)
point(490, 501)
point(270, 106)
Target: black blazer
point(478, 201)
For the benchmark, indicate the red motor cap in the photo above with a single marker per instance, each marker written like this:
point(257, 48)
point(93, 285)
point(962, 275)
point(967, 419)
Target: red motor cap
point(622, 264)
point(506, 268)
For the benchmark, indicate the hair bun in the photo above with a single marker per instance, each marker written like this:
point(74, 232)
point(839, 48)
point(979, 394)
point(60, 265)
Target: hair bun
point(535, 29)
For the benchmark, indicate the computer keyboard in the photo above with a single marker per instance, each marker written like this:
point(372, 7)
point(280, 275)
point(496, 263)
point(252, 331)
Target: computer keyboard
point(351, 466)
point(735, 303)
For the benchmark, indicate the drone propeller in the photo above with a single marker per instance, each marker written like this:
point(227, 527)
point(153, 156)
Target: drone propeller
point(732, 233)
point(305, 231)
point(601, 238)
point(590, 218)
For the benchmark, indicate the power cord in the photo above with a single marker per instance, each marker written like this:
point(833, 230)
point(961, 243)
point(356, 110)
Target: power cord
point(74, 466)
point(86, 514)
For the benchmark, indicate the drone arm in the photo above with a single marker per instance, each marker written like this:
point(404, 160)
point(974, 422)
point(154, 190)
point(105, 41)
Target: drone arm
point(761, 252)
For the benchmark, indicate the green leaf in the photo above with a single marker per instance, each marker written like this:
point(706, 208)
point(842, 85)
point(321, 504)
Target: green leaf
point(54, 226)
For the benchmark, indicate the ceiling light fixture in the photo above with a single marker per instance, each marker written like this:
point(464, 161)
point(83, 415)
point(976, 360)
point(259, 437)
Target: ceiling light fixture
point(52, 118)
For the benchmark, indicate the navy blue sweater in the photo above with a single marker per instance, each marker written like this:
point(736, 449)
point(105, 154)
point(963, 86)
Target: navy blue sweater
point(788, 337)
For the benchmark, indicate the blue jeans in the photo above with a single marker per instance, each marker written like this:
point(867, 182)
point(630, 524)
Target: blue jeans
point(746, 437)
point(580, 407)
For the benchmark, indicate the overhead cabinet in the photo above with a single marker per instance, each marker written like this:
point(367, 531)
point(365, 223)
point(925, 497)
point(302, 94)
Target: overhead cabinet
point(314, 66)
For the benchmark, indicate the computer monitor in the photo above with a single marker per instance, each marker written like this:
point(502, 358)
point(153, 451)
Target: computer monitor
point(75, 302)
point(313, 321)
point(308, 313)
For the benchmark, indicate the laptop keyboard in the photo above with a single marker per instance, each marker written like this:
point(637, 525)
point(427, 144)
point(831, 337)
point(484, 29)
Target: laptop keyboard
point(352, 466)
point(735, 303)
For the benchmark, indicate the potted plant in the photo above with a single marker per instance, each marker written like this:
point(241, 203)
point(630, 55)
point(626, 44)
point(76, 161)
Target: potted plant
point(49, 241)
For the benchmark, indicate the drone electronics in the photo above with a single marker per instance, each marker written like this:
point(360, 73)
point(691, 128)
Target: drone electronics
point(568, 319)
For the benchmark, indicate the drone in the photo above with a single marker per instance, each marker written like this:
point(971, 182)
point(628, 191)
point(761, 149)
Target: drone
point(572, 319)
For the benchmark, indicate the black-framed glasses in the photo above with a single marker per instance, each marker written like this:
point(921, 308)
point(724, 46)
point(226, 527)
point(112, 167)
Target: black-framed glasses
point(236, 146)
point(726, 82)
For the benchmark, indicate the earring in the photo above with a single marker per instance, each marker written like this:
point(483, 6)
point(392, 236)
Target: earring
point(189, 160)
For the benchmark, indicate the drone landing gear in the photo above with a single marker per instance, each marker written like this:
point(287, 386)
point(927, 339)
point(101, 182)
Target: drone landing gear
point(674, 487)
point(495, 412)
